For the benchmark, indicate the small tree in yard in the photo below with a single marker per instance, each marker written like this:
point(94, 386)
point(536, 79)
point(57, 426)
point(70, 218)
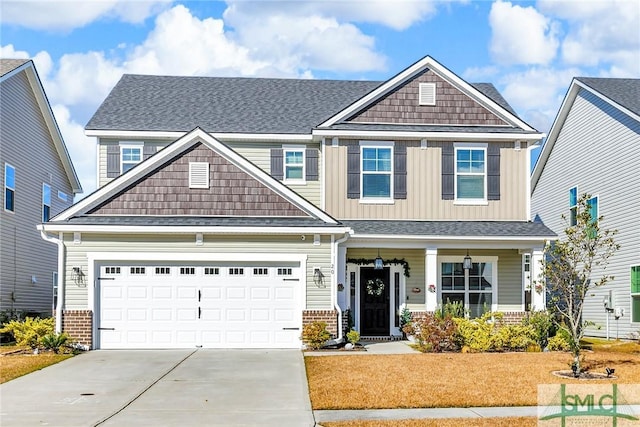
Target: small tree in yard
point(568, 270)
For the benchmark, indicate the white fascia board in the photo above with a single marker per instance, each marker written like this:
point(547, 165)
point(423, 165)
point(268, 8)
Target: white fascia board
point(52, 125)
point(16, 70)
point(454, 238)
point(194, 256)
point(218, 135)
point(196, 135)
point(452, 244)
point(428, 62)
point(159, 229)
point(432, 136)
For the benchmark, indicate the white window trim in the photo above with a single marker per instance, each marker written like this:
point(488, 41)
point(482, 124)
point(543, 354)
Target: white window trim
point(131, 144)
point(376, 200)
point(597, 197)
point(467, 146)
point(4, 195)
point(573, 206)
point(297, 149)
point(431, 87)
point(632, 294)
point(203, 168)
point(458, 259)
point(63, 196)
point(44, 184)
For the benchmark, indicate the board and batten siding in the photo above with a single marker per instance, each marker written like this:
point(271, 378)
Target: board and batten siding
point(317, 297)
point(27, 146)
point(256, 152)
point(510, 280)
point(598, 151)
point(424, 185)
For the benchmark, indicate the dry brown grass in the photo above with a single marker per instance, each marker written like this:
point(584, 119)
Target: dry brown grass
point(14, 366)
point(446, 379)
point(452, 422)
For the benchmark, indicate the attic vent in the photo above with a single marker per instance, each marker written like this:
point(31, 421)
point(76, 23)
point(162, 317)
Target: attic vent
point(427, 94)
point(198, 175)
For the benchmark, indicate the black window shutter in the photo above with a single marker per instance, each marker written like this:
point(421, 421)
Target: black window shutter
point(113, 161)
point(353, 171)
point(448, 167)
point(400, 172)
point(311, 160)
point(148, 151)
point(277, 169)
point(493, 172)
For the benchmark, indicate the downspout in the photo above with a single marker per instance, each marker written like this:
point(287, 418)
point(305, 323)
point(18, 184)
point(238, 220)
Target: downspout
point(334, 281)
point(60, 301)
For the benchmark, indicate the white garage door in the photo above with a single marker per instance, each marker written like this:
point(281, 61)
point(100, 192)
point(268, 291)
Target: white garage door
point(228, 305)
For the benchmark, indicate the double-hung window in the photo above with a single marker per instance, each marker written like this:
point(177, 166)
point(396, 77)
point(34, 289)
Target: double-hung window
point(46, 202)
point(573, 206)
point(377, 172)
point(474, 289)
point(294, 164)
point(9, 187)
point(635, 293)
point(471, 173)
point(593, 208)
point(130, 156)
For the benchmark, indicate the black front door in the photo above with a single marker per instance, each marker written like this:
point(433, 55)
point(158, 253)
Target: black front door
point(374, 302)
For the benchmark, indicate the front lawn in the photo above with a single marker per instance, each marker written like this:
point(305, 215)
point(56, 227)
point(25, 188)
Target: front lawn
point(434, 380)
point(16, 365)
point(452, 422)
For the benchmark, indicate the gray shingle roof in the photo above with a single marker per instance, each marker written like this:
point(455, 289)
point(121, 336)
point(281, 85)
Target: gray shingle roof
point(8, 65)
point(451, 228)
point(186, 221)
point(625, 92)
point(232, 104)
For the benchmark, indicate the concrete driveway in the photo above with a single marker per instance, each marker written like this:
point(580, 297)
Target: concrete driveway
point(163, 388)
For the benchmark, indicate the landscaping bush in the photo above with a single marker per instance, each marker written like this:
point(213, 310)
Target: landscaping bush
point(561, 341)
point(30, 331)
point(435, 334)
point(315, 334)
point(542, 323)
point(54, 341)
point(514, 338)
point(353, 336)
point(453, 309)
point(489, 333)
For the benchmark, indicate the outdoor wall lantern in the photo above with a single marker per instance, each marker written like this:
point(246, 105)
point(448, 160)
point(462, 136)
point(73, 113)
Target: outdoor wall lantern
point(318, 277)
point(77, 275)
point(378, 264)
point(466, 263)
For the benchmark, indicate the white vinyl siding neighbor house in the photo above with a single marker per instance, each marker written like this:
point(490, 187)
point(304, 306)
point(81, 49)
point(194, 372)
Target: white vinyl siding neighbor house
point(593, 148)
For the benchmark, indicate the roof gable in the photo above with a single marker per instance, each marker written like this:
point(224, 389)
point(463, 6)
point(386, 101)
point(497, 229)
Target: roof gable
point(11, 67)
point(159, 187)
point(418, 69)
point(619, 93)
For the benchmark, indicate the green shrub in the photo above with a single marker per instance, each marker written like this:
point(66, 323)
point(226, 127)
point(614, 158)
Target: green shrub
point(54, 341)
point(513, 338)
point(475, 334)
point(353, 336)
point(30, 331)
point(453, 309)
point(315, 334)
point(435, 334)
point(405, 317)
point(542, 323)
point(558, 343)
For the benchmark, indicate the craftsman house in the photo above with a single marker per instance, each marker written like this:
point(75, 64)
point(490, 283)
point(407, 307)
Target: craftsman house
point(231, 211)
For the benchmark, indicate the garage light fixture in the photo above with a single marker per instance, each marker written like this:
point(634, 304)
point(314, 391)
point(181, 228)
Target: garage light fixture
point(77, 276)
point(318, 277)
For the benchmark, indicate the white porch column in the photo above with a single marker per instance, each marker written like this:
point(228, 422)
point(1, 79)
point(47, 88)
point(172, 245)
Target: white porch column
point(538, 300)
point(431, 278)
point(341, 274)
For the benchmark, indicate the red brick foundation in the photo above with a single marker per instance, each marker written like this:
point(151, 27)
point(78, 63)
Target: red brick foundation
point(79, 325)
point(330, 317)
point(513, 317)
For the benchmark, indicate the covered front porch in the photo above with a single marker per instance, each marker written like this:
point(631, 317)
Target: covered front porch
point(383, 274)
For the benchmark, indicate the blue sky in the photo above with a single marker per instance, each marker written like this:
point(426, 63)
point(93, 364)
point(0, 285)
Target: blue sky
point(529, 50)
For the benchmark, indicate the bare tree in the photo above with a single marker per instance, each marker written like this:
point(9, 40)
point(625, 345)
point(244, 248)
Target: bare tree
point(568, 269)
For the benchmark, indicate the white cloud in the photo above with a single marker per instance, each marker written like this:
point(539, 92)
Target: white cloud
point(67, 15)
point(478, 74)
point(81, 148)
point(521, 35)
point(600, 32)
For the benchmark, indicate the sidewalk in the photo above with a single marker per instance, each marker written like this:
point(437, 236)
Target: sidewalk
point(406, 414)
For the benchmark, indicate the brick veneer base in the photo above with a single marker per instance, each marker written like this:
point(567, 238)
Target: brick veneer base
point(79, 325)
point(509, 317)
point(330, 317)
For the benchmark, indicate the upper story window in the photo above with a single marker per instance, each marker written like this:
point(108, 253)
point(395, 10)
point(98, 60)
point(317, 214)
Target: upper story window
point(573, 206)
point(294, 163)
point(635, 293)
point(471, 174)
point(593, 208)
point(377, 172)
point(63, 196)
point(9, 187)
point(130, 156)
point(46, 202)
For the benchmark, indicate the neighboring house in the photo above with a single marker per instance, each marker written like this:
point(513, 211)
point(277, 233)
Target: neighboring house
point(234, 210)
point(38, 182)
point(592, 148)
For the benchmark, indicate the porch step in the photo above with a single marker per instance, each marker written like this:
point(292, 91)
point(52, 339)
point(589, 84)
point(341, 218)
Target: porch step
point(381, 338)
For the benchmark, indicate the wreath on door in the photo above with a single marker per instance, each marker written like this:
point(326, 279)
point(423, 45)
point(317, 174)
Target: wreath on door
point(375, 287)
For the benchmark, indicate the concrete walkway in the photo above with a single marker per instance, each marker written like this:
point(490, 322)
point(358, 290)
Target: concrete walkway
point(163, 388)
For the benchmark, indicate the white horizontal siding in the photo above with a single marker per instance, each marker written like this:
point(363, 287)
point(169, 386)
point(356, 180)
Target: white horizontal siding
point(598, 150)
